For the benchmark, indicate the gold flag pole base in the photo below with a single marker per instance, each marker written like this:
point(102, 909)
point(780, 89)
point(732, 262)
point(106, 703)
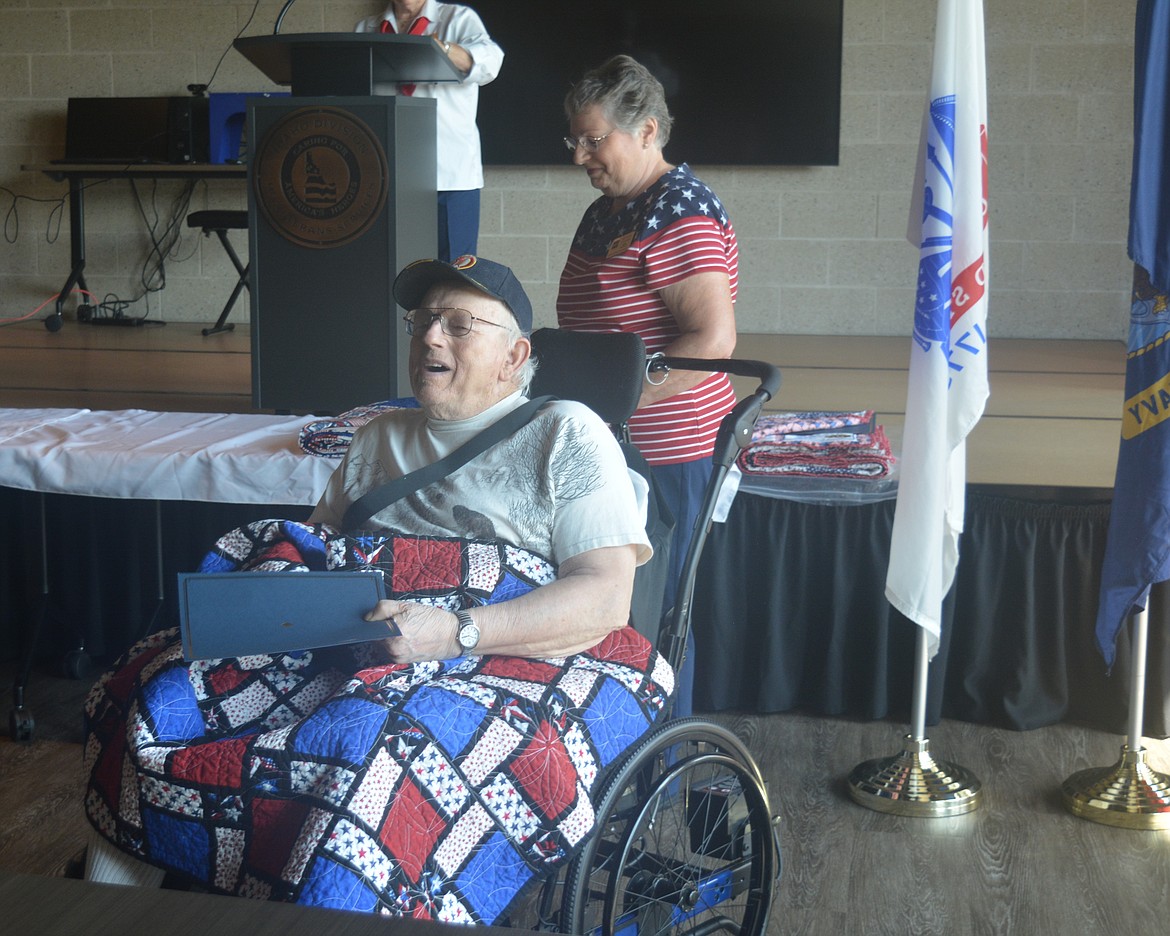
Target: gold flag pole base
point(914, 784)
point(1130, 794)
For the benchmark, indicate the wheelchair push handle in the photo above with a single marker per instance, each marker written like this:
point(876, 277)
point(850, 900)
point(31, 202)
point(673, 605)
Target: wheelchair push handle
point(767, 374)
point(734, 435)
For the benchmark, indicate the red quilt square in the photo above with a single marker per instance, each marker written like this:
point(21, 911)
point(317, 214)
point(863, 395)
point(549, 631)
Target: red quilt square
point(108, 770)
point(545, 774)
point(122, 683)
point(276, 825)
point(510, 667)
point(282, 551)
point(226, 678)
point(426, 564)
point(219, 763)
point(625, 646)
point(411, 829)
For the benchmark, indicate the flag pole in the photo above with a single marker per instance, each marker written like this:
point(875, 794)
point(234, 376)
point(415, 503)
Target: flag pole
point(912, 782)
point(1137, 551)
point(945, 397)
point(1130, 794)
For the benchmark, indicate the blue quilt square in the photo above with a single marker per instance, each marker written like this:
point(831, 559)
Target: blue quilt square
point(311, 546)
point(333, 885)
point(509, 587)
point(492, 877)
point(172, 706)
point(447, 715)
point(342, 728)
point(177, 842)
point(615, 721)
point(214, 562)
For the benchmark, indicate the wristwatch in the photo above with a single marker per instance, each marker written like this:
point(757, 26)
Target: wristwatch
point(446, 46)
point(467, 632)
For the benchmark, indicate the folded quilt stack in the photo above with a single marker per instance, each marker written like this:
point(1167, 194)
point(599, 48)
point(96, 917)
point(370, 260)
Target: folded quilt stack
point(330, 437)
point(819, 444)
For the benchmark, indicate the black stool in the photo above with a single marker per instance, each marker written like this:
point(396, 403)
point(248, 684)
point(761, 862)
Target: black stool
point(220, 222)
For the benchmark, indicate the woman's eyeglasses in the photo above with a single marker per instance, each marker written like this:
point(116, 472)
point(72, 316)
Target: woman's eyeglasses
point(590, 144)
point(455, 323)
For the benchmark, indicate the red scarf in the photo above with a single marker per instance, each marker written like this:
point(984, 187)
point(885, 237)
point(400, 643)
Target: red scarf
point(416, 29)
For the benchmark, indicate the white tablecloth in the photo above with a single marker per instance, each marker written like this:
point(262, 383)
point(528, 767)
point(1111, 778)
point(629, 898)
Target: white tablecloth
point(218, 457)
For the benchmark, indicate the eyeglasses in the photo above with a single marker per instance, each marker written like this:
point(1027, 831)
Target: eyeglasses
point(590, 144)
point(455, 323)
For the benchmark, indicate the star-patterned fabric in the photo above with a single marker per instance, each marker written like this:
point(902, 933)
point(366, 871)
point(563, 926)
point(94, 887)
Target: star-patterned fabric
point(617, 266)
point(438, 790)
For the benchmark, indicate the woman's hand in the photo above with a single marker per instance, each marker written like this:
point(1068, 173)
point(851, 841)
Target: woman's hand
point(425, 632)
point(458, 55)
point(702, 308)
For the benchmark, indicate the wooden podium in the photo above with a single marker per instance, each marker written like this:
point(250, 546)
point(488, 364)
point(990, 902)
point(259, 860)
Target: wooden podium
point(341, 196)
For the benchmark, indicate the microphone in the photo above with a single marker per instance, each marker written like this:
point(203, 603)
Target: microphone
point(280, 15)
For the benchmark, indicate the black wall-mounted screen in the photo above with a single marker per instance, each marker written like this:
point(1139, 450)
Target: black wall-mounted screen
point(749, 82)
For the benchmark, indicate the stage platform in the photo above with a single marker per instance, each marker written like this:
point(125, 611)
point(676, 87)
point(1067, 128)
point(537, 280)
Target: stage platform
point(1053, 419)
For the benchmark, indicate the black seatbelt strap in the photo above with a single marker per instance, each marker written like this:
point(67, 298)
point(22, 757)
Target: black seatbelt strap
point(382, 497)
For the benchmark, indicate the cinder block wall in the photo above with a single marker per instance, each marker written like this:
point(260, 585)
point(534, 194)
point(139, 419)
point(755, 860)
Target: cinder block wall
point(823, 250)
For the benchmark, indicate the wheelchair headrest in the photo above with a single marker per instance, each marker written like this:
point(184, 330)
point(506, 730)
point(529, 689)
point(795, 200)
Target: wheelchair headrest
point(603, 371)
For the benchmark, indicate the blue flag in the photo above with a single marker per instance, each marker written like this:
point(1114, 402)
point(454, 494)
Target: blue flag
point(1137, 552)
point(1149, 193)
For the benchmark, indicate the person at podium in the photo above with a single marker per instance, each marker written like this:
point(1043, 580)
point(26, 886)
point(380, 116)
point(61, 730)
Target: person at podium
point(460, 33)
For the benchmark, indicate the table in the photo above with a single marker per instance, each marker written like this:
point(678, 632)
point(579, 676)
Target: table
point(94, 550)
point(235, 458)
point(77, 174)
point(790, 613)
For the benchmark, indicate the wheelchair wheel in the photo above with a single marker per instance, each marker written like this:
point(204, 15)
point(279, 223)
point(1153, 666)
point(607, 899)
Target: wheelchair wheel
point(684, 844)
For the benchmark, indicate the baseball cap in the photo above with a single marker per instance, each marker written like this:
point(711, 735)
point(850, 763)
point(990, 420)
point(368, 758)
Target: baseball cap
point(495, 279)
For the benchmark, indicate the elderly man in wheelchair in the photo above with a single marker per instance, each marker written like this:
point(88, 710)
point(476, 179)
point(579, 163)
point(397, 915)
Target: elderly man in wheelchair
point(452, 768)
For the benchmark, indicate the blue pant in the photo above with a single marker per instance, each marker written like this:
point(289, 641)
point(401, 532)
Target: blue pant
point(682, 487)
point(458, 224)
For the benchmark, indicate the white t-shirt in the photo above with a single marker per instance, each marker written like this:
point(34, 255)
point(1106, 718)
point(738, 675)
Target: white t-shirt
point(558, 486)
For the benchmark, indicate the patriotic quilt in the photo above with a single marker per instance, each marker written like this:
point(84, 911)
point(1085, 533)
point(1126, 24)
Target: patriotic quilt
point(440, 790)
point(778, 427)
point(330, 438)
point(845, 445)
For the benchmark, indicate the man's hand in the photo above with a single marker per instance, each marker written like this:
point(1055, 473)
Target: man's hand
point(590, 598)
point(424, 632)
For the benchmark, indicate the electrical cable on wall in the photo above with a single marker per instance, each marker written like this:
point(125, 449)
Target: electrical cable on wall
point(12, 216)
point(231, 45)
point(163, 245)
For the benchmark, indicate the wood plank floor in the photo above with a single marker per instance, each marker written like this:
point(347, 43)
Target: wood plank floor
point(1018, 864)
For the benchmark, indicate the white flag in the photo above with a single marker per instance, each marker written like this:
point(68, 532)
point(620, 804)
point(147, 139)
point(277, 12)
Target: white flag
point(948, 356)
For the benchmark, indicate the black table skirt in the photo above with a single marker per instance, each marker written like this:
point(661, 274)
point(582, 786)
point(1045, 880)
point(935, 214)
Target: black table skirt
point(790, 613)
point(103, 569)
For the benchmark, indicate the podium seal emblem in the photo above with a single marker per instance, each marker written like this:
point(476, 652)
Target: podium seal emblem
point(320, 177)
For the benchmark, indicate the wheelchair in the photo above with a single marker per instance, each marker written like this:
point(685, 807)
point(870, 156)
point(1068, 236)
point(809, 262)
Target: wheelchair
point(682, 837)
point(685, 839)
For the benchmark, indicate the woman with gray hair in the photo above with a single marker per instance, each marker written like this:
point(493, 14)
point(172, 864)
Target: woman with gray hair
point(656, 255)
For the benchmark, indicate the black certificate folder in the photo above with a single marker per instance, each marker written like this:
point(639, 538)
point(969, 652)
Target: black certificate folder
point(234, 614)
